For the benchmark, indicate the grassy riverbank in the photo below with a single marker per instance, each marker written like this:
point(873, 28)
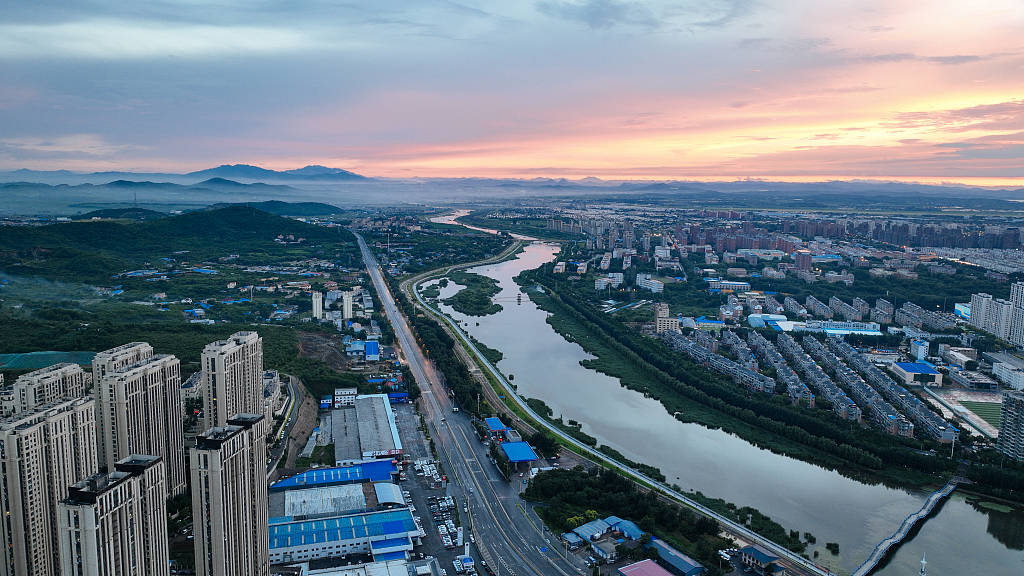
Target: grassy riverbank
point(475, 298)
point(693, 394)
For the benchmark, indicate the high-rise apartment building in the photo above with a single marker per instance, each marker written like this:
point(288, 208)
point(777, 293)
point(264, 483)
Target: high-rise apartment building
point(118, 358)
point(139, 411)
point(232, 378)
point(229, 498)
point(116, 522)
point(42, 453)
point(44, 386)
point(1017, 294)
point(1011, 430)
point(318, 305)
point(346, 305)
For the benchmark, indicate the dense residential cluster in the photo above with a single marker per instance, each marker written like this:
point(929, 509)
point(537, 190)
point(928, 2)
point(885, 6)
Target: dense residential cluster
point(803, 274)
point(106, 450)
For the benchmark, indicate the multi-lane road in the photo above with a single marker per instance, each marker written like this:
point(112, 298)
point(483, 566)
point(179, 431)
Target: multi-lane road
point(508, 537)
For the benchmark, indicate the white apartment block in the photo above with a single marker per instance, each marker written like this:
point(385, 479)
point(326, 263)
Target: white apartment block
point(42, 453)
point(44, 386)
point(645, 282)
point(232, 378)
point(1009, 375)
point(346, 305)
point(116, 522)
point(318, 305)
point(139, 411)
point(1003, 318)
point(229, 498)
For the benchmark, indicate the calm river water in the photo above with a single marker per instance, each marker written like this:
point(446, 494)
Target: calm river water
point(963, 538)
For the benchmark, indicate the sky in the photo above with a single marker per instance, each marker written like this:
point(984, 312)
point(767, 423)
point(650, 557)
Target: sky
point(921, 90)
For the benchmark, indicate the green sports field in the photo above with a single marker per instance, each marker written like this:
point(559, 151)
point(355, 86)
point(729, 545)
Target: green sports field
point(987, 411)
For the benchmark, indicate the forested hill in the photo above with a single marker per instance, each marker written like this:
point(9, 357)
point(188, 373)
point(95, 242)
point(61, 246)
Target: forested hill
point(93, 251)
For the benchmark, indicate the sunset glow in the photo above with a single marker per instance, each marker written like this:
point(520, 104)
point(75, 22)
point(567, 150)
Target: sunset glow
point(921, 91)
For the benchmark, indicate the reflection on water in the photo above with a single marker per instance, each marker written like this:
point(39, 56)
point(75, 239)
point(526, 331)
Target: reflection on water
point(800, 496)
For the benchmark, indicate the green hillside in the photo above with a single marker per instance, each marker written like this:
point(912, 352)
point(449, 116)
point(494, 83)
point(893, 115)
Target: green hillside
point(93, 251)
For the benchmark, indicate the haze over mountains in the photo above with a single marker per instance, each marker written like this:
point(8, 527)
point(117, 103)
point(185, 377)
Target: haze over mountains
point(238, 172)
point(64, 192)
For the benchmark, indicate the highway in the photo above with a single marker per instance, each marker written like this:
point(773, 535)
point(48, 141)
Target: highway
point(508, 539)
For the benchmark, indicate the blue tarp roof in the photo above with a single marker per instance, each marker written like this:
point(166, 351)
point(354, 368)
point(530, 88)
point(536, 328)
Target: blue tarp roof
point(572, 538)
point(518, 452)
point(372, 348)
point(285, 532)
point(374, 471)
point(916, 368)
point(495, 424)
point(402, 555)
point(591, 530)
point(628, 529)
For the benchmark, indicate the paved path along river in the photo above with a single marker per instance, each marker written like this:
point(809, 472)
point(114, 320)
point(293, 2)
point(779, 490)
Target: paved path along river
point(799, 495)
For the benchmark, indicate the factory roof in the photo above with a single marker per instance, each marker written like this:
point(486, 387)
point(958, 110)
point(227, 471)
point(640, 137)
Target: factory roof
point(372, 471)
point(916, 368)
point(286, 532)
point(320, 500)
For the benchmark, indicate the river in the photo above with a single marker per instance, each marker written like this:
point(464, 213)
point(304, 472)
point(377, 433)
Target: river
point(961, 539)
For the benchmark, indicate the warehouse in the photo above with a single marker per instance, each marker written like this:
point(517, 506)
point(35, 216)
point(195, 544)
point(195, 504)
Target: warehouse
point(384, 534)
point(373, 471)
point(365, 431)
point(919, 373)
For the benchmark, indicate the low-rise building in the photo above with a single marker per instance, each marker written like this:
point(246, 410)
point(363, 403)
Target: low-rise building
point(760, 561)
point(917, 373)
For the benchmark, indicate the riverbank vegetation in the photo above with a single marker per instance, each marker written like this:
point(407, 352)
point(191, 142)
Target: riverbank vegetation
point(692, 393)
point(475, 298)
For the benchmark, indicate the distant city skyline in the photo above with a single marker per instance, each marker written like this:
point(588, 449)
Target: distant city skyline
point(730, 89)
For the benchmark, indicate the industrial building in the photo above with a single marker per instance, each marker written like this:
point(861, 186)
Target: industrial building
point(919, 373)
point(366, 430)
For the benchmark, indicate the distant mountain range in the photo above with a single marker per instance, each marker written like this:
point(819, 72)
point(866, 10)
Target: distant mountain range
point(236, 172)
point(210, 184)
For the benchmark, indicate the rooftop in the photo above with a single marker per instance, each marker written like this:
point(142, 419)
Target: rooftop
point(644, 568)
point(495, 424)
point(374, 471)
point(518, 452)
point(286, 532)
point(916, 368)
point(674, 558)
point(759, 553)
